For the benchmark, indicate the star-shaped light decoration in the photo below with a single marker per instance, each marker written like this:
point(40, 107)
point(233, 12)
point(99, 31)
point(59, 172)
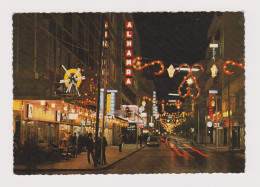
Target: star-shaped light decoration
point(171, 71)
point(72, 77)
point(189, 81)
point(214, 71)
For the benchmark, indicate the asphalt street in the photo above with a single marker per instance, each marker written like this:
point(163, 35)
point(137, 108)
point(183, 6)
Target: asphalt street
point(164, 159)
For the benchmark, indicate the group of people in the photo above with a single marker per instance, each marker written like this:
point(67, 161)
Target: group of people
point(87, 143)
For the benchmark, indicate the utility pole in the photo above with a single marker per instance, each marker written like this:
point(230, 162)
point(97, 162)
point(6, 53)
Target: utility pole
point(206, 119)
point(229, 124)
point(98, 94)
point(198, 126)
point(104, 106)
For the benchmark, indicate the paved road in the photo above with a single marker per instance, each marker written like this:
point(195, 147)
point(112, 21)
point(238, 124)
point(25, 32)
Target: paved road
point(173, 160)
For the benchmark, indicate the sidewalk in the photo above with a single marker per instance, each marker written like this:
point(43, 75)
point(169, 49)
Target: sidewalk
point(112, 156)
point(223, 150)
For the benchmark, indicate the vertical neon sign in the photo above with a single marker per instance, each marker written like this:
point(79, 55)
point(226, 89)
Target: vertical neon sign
point(128, 52)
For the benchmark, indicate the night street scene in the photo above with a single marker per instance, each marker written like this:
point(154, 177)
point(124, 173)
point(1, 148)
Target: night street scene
point(128, 93)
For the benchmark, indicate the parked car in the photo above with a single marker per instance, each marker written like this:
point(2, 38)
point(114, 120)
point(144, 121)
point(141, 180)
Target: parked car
point(153, 141)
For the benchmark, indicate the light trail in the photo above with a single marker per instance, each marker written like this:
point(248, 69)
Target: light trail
point(195, 150)
point(176, 150)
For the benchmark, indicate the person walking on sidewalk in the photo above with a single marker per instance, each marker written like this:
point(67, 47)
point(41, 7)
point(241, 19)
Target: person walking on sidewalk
point(103, 148)
point(120, 142)
point(140, 139)
point(90, 146)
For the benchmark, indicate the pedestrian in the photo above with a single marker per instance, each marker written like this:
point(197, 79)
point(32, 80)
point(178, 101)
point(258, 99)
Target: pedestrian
point(104, 149)
point(84, 142)
point(140, 139)
point(89, 147)
point(80, 143)
point(120, 142)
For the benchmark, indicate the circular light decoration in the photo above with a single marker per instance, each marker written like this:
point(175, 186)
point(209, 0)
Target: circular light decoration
point(186, 78)
point(178, 104)
point(137, 65)
point(214, 71)
point(232, 63)
point(72, 77)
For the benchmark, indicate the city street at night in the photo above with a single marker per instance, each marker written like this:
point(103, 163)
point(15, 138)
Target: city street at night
point(102, 97)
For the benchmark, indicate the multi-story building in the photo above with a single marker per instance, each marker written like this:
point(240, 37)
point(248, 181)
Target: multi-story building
point(42, 43)
point(226, 30)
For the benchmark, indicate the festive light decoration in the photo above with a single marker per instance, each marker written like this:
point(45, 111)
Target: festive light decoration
point(137, 65)
point(72, 77)
point(214, 71)
point(171, 71)
point(232, 63)
point(178, 104)
point(189, 81)
point(194, 80)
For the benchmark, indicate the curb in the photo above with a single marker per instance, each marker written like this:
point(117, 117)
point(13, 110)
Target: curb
point(219, 152)
point(36, 171)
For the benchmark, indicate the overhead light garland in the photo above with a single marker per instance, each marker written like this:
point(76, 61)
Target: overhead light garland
point(137, 65)
point(232, 63)
point(186, 78)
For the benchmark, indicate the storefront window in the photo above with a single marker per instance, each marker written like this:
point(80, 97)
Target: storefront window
point(42, 132)
point(64, 132)
point(53, 133)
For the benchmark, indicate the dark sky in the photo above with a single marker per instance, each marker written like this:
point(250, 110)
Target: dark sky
point(173, 38)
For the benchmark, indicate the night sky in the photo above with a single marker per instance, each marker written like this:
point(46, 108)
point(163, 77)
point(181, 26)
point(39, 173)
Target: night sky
point(173, 38)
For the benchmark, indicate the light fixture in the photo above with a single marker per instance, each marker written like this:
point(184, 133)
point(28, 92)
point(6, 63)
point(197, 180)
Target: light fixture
point(42, 103)
point(214, 71)
point(171, 71)
point(188, 69)
point(173, 94)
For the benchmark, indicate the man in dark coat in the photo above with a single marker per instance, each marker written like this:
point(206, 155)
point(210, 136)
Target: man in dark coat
point(90, 146)
point(120, 142)
point(104, 148)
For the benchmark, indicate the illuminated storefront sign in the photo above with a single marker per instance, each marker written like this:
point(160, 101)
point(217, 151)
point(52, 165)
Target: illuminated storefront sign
point(154, 104)
point(128, 52)
point(211, 105)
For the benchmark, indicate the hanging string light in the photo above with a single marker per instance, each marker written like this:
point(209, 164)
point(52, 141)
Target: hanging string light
point(231, 63)
point(137, 65)
point(186, 78)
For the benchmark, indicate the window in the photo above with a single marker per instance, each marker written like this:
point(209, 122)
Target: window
point(67, 22)
point(217, 36)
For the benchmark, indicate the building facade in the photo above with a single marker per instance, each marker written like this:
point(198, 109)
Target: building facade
point(42, 43)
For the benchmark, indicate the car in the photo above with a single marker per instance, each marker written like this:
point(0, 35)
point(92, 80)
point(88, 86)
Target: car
point(162, 139)
point(153, 141)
